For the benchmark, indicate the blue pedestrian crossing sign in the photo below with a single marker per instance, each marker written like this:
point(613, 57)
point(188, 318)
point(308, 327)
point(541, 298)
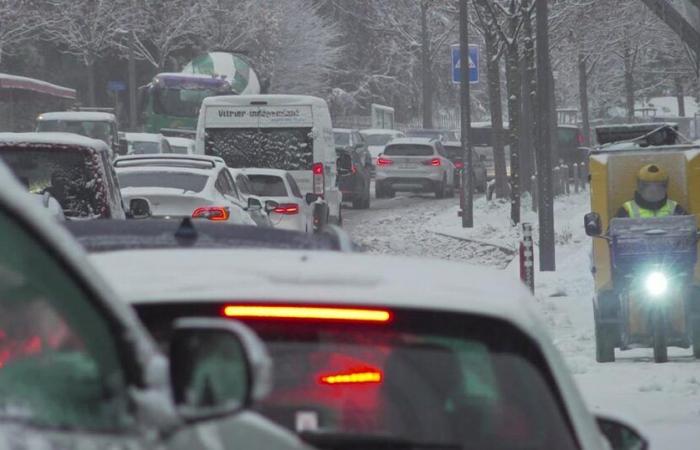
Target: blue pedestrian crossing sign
point(473, 64)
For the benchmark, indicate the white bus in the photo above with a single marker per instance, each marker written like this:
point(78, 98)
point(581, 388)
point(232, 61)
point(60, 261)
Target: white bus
point(288, 132)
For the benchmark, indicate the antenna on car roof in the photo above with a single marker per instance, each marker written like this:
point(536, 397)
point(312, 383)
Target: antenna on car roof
point(186, 234)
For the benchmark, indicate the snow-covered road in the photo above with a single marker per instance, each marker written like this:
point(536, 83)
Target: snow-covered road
point(664, 399)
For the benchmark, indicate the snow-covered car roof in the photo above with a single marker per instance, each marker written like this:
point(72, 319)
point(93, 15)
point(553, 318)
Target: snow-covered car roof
point(343, 130)
point(380, 131)
point(78, 116)
point(412, 140)
point(270, 99)
point(143, 137)
point(170, 160)
point(260, 171)
point(53, 140)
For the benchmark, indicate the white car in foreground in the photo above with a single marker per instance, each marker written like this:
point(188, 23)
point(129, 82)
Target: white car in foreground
point(292, 212)
point(378, 352)
point(183, 186)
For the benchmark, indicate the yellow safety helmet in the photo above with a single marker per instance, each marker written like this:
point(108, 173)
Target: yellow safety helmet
point(652, 173)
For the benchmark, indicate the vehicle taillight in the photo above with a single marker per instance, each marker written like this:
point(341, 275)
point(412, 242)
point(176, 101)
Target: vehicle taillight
point(214, 213)
point(384, 161)
point(287, 209)
point(361, 376)
point(307, 312)
point(318, 178)
point(354, 168)
point(580, 139)
point(459, 165)
point(435, 162)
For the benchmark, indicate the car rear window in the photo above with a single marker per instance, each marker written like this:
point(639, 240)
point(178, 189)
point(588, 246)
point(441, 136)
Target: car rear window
point(268, 186)
point(180, 150)
point(143, 148)
point(341, 138)
point(378, 139)
point(408, 150)
point(432, 380)
point(74, 177)
point(188, 182)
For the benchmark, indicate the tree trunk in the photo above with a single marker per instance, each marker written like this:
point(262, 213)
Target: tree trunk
point(514, 107)
point(583, 98)
point(680, 96)
point(494, 86)
point(629, 82)
point(544, 141)
point(92, 98)
point(426, 69)
point(529, 92)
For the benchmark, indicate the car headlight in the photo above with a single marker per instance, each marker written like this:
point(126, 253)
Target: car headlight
point(656, 284)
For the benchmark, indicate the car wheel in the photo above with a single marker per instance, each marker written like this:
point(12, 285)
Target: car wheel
point(368, 198)
point(357, 202)
point(440, 189)
point(379, 190)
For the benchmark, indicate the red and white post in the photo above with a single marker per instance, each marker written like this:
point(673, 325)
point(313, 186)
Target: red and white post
point(527, 258)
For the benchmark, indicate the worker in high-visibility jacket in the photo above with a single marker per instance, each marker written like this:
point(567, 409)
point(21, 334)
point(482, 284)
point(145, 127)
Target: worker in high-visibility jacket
point(651, 197)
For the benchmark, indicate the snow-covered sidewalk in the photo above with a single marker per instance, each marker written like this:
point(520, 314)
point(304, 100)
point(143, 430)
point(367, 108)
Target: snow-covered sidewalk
point(664, 399)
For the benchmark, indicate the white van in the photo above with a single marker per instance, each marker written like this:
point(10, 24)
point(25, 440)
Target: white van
point(287, 132)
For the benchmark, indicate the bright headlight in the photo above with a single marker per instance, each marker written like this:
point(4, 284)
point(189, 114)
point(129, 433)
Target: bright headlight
point(656, 284)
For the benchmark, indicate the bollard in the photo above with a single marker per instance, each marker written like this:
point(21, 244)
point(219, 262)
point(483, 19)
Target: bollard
point(527, 258)
point(533, 186)
point(576, 178)
point(567, 185)
point(556, 181)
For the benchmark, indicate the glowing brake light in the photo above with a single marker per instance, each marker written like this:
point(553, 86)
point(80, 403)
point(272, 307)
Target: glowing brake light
point(214, 213)
point(384, 161)
point(307, 312)
point(358, 377)
point(318, 178)
point(459, 165)
point(435, 162)
point(288, 209)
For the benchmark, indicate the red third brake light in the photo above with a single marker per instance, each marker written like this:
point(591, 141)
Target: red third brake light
point(214, 213)
point(384, 161)
point(307, 312)
point(353, 377)
point(287, 209)
point(435, 162)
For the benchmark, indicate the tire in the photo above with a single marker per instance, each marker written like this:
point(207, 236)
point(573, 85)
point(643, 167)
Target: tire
point(605, 338)
point(659, 338)
point(368, 199)
point(441, 189)
point(380, 190)
point(357, 202)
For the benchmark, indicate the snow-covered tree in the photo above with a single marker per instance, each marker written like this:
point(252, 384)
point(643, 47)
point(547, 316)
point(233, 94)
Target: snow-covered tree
point(19, 22)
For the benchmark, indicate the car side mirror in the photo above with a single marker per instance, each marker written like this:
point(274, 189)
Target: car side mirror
point(593, 224)
point(270, 206)
point(310, 198)
point(217, 367)
point(254, 204)
point(139, 208)
point(621, 436)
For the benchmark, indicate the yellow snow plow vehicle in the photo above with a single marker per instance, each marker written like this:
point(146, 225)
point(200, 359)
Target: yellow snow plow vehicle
point(644, 263)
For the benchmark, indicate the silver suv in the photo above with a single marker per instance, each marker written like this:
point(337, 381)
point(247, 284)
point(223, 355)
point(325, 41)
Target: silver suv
point(416, 165)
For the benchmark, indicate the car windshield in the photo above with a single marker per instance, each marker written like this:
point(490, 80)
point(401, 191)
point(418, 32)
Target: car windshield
point(268, 186)
point(188, 182)
point(143, 147)
point(180, 102)
point(341, 138)
point(408, 150)
point(74, 177)
point(100, 130)
point(433, 378)
point(378, 139)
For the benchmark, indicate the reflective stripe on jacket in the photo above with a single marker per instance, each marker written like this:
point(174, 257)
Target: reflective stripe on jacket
point(637, 212)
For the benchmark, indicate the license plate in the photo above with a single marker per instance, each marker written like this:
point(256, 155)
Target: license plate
point(407, 166)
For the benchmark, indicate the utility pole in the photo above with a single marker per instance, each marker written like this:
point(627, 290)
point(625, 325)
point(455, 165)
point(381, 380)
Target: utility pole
point(465, 117)
point(132, 82)
point(545, 89)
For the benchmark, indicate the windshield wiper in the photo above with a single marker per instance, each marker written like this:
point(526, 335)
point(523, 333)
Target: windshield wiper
point(349, 441)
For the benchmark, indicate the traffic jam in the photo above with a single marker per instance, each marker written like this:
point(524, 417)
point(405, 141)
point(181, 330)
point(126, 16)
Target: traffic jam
point(215, 256)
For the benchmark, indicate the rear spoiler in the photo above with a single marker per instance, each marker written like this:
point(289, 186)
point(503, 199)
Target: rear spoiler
point(178, 132)
point(95, 109)
point(635, 132)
